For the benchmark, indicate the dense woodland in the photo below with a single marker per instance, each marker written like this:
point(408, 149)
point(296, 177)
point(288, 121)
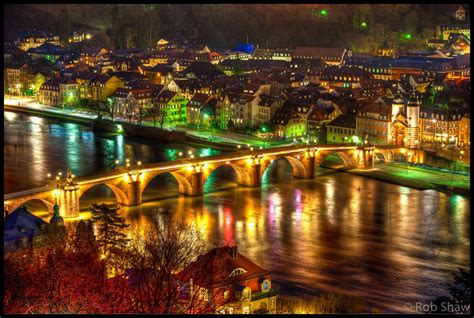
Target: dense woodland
point(223, 26)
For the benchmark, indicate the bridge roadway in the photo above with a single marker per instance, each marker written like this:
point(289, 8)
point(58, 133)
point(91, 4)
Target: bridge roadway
point(128, 183)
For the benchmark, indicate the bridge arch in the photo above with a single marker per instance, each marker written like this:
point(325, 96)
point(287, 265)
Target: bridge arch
point(243, 177)
point(183, 183)
point(297, 167)
point(120, 196)
point(347, 158)
point(17, 204)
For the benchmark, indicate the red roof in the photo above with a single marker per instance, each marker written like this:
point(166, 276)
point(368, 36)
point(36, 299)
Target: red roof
point(215, 268)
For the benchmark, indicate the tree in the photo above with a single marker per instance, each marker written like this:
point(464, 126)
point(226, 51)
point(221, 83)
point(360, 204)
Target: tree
point(110, 237)
point(131, 108)
point(157, 115)
point(161, 116)
point(112, 107)
point(57, 280)
point(154, 260)
point(141, 113)
point(84, 241)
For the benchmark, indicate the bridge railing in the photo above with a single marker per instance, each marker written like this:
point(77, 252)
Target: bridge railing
point(27, 192)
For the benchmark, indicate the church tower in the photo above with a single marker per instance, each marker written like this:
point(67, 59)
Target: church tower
point(413, 119)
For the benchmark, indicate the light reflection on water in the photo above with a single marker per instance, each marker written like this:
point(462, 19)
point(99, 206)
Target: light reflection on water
point(386, 243)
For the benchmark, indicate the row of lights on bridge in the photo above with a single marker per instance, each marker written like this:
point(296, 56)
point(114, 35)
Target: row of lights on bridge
point(58, 176)
point(127, 163)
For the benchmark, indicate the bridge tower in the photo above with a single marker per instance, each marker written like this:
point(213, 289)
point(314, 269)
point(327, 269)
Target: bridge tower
point(69, 200)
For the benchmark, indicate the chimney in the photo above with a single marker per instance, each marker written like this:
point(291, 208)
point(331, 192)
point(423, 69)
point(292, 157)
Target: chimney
point(234, 251)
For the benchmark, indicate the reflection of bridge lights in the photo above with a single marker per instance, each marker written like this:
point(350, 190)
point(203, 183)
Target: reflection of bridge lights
point(180, 153)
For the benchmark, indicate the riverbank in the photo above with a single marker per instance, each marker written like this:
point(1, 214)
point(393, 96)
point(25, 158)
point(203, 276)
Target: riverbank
point(42, 113)
point(209, 137)
point(411, 177)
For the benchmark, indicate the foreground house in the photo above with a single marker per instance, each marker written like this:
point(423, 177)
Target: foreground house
point(230, 282)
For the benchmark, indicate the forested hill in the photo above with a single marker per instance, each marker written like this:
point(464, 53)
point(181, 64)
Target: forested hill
point(223, 26)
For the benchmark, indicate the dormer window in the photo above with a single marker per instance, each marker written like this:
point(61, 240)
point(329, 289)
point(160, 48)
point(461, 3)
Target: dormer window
point(238, 271)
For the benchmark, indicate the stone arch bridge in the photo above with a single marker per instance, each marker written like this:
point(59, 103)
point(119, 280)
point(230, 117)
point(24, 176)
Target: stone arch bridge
point(128, 184)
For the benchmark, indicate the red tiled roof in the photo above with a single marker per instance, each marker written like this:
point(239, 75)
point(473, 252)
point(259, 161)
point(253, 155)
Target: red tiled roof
point(217, 265)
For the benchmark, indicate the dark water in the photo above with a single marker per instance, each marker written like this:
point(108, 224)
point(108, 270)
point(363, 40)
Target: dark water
point(385, 243)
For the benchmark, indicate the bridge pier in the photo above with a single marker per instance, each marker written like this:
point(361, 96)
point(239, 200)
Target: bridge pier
point(309, 163)
point(365, 158)
point(255, 177)
point(197, 186)
point(134, 194)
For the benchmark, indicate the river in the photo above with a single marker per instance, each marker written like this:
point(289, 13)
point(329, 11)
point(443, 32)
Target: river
point(339, 232)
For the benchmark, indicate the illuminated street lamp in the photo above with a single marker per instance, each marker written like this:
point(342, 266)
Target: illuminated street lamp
point(323, 13)
point(363, 25)
point(406, 36)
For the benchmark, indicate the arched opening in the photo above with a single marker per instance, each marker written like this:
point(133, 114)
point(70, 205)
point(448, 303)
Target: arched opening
point(223, 177)
point(335, 161)
point(102, 193)
point(400, 157)
point(162, 186)
point(39, 207)
point(380, 157)
point(278, 170)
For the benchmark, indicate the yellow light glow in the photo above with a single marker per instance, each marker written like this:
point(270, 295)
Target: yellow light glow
point(227, 162)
